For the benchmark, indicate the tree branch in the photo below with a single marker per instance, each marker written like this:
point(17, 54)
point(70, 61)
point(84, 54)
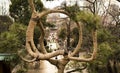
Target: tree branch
point(76, 50)
point(24, 59)
point(30, 51)
point(45, 12)
point(43, 56)
point(32, 5)
point(41, 38)
point(53, 61)
point(50, 55)
point(94, 33)
point(30, 46)
point(90, 1)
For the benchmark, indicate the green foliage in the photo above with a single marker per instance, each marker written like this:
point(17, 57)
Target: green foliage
point(12, 60)
point(104, 35)
point(91, 21)
point(99, 65)
point(13, 39)
point(49, 24)
point(115, 56)
point(72, 10)
point(62, 33)
point(75, 31)
point(116, 51)
point(38, 5)
point(76, 66)
point(19, 30)
point(109, 49)
point(21, 71)
point(9, 42)
point(5, 22)
point(108, 39)
point(20, 10)
point(75, 36)
point(104, 52)
point(36, 35)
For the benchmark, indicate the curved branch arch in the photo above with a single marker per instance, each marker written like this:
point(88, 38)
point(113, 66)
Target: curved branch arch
point(30, 46)
point(30, 31)
point(42, 54)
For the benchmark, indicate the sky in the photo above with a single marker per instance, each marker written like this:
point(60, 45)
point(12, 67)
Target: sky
point(4, 4)
point(4, 7)
point(52, 4)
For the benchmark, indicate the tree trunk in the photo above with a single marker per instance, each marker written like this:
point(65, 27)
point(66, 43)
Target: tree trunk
point(61, 69)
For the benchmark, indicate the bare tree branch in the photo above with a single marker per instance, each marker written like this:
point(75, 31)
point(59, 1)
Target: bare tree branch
point(90, 1)
point(104, 17)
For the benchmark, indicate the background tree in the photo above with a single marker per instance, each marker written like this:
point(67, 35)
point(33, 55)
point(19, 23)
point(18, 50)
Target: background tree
point(114, 12)
point(15, 36)
point(109, 37)
point(20, 10)
point(62, 34)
